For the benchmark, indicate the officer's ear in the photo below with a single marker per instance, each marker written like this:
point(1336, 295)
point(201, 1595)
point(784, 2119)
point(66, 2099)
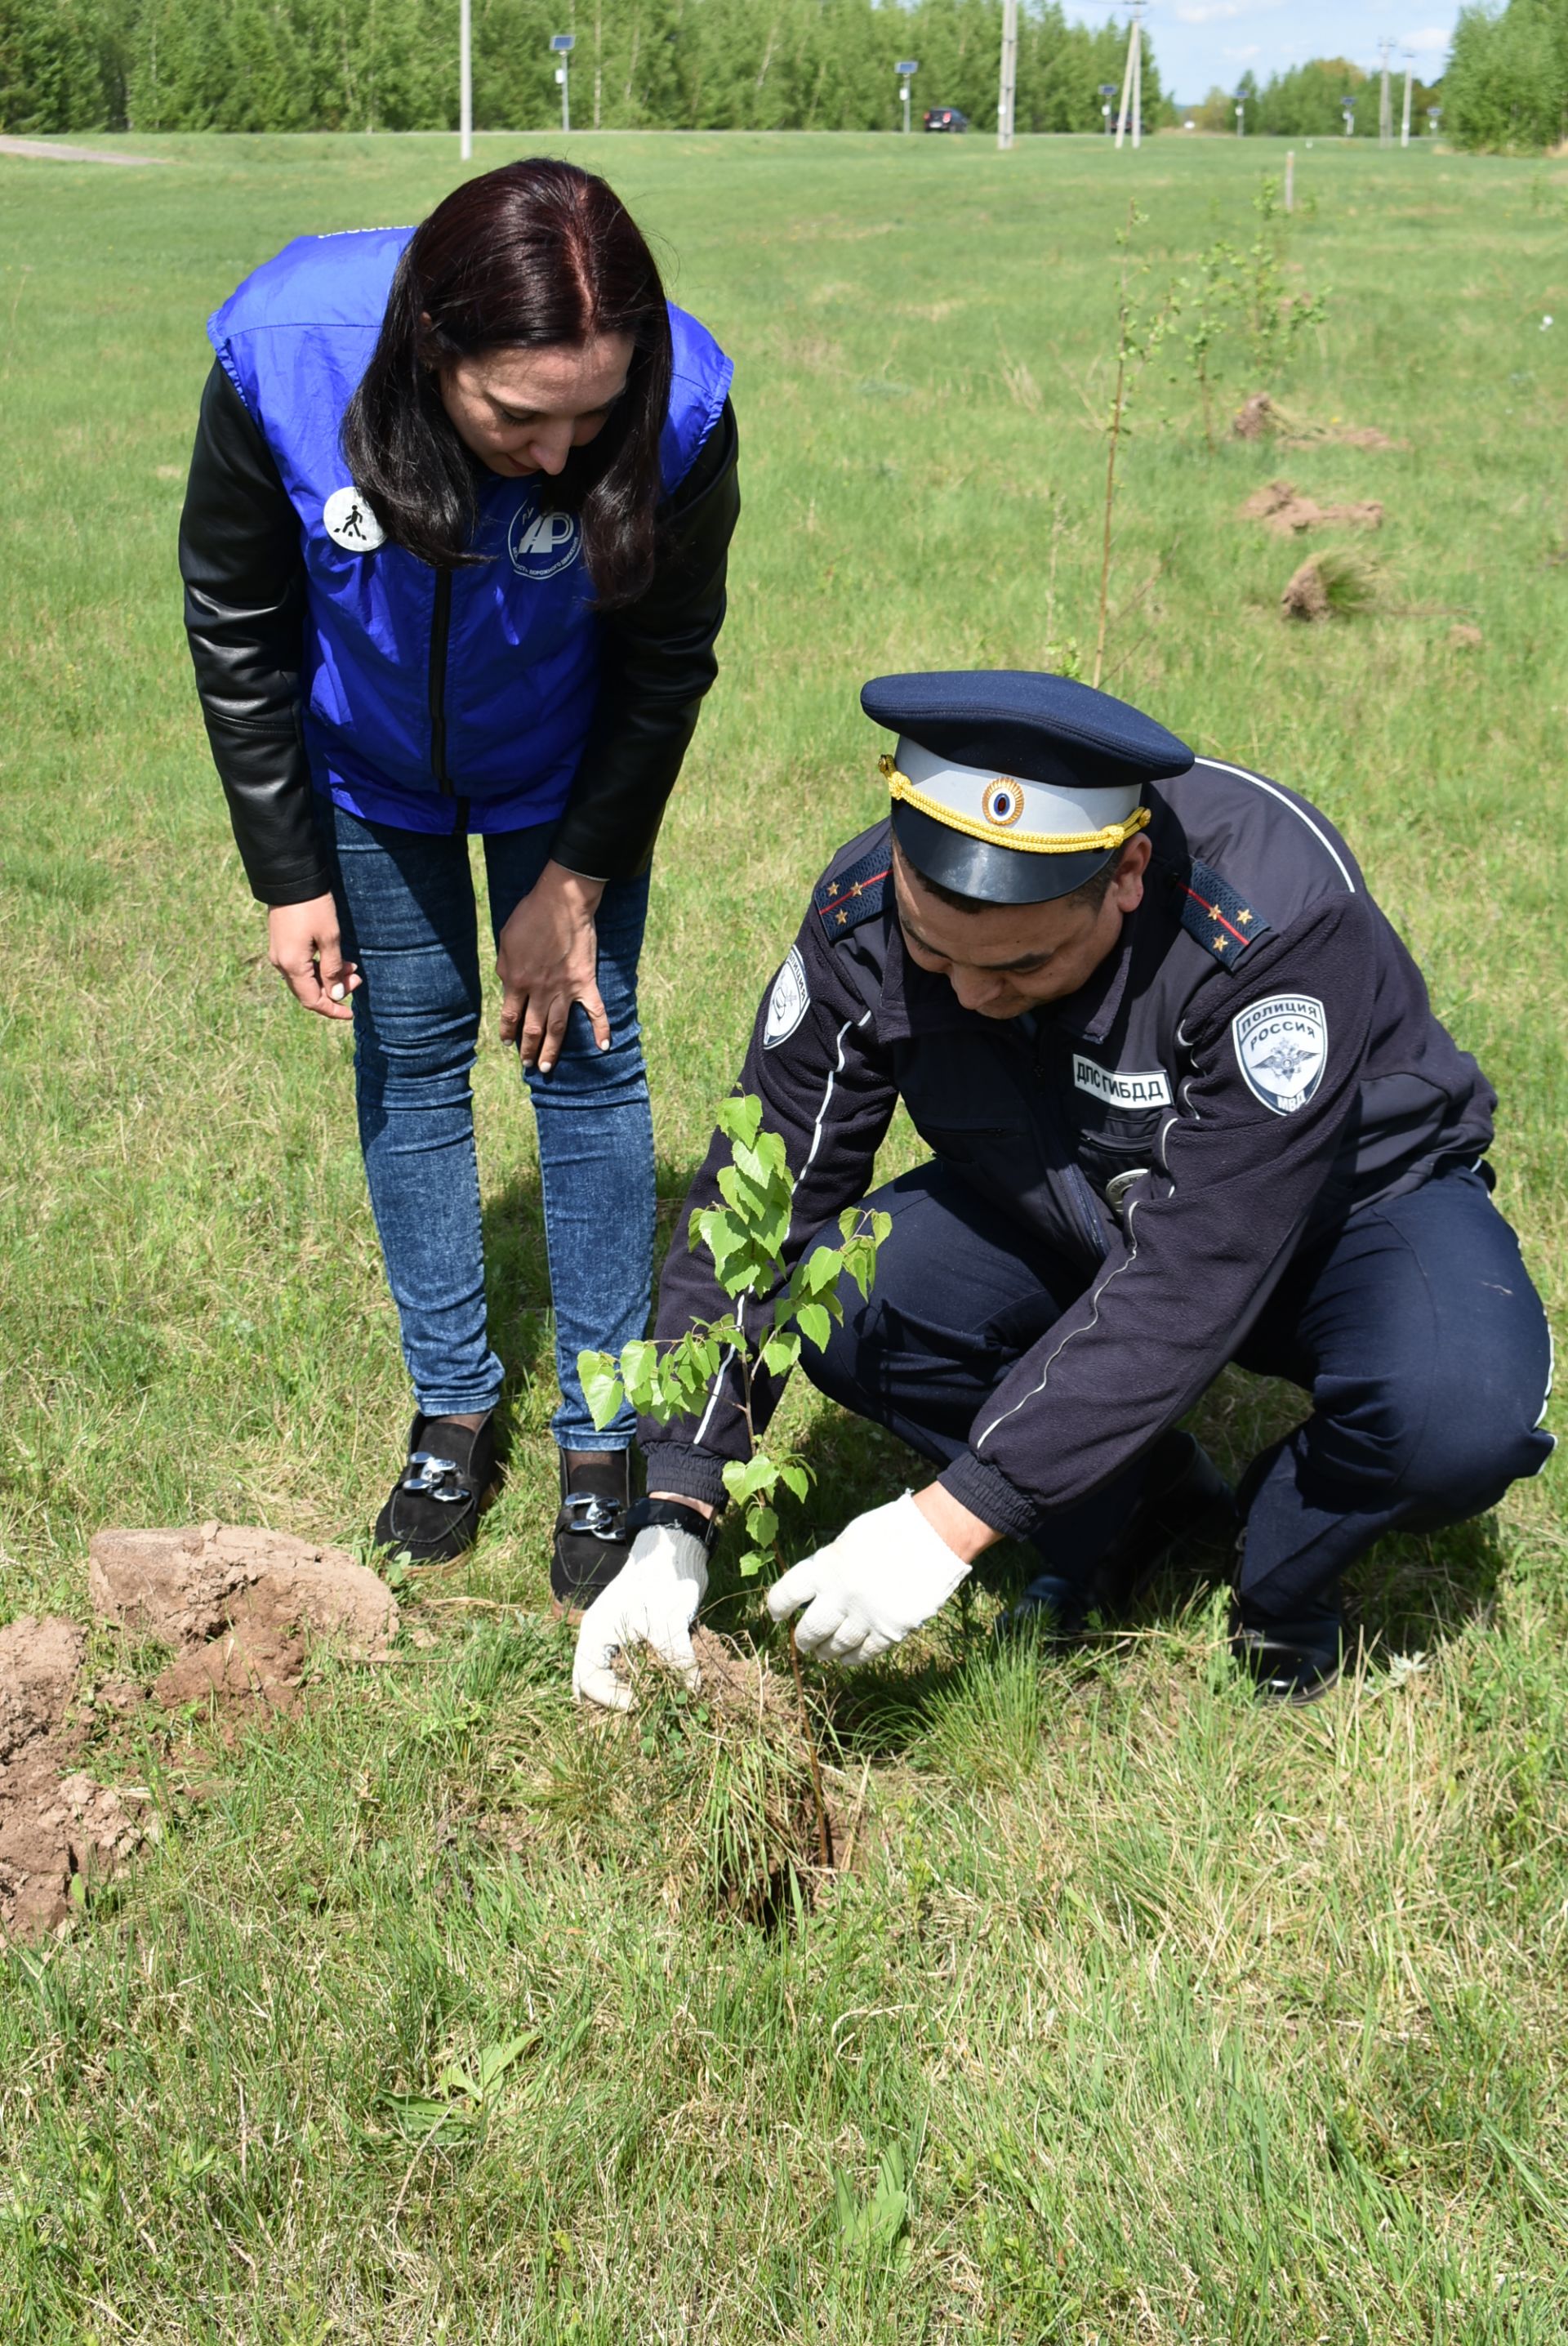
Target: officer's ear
point(1126, 890)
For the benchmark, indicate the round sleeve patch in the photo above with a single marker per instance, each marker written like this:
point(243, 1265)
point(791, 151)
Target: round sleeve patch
point(1282, 1049)
point(788, 1002)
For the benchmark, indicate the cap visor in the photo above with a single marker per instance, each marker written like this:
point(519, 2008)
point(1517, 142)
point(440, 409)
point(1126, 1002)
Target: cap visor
point(993, 876)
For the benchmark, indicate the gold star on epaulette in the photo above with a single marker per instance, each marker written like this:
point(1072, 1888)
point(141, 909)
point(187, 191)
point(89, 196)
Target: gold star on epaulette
point(833, 890)
point(856, 890)
point(1244, 918)
point(843, 920)
point(1219, 940)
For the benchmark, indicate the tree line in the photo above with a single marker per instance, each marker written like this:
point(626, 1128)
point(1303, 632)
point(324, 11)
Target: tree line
point(1507, 80)
point(1307, 102)
point(392, 65)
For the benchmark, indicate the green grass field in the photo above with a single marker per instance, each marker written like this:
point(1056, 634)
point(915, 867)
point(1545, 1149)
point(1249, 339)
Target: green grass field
point(1159, 2018)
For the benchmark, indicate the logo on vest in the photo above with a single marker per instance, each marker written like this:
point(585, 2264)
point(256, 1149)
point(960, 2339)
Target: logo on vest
point(349, 523)
point(541, 543)
point(788, 1002)
point(1119, 1086)
point(1282, 1049)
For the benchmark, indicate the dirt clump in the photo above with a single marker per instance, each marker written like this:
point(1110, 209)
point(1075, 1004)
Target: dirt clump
point(1262, 418)
point(1255, 420)
point(191, 1585)
point(1306, 594)
point(237, 1605)
point(57, 1825)
point(1285, 509)
point(1465, 638)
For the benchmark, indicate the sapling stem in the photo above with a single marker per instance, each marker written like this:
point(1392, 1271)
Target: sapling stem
point(746, 1235)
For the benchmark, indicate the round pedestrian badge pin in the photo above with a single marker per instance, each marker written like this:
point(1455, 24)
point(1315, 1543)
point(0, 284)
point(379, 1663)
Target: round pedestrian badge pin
point(348, 522)
point(1282, 1049)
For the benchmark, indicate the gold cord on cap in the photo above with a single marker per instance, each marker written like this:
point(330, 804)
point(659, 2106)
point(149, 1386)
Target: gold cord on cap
point(1029, 842)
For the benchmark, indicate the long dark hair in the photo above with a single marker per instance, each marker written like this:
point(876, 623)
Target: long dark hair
point(536, 253)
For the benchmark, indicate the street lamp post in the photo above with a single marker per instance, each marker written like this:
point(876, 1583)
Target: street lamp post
point(1241, 117)
point(906, 70)
point(465, 81)
point(1107, 92)
point(1348, 109)
point(562, 45)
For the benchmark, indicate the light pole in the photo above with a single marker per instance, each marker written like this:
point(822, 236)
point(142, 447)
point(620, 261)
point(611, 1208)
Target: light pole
point(1434, 116)
point(1241, 117)
point(465, 80)
point(1348, 109)
point(562, 45)
point(1107, 92)
point(1132, 79)
point(906, 70)
point(1385, 110)
point(1007, 89)
point(1405, 119)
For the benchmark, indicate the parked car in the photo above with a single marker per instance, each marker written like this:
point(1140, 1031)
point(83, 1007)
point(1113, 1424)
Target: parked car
point(945, 117)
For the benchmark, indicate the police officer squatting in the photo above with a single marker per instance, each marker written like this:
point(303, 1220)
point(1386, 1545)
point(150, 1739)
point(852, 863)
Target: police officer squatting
point(454, 549)
point(1186, 1104)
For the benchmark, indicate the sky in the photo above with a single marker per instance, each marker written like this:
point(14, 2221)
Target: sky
point(1199, 43)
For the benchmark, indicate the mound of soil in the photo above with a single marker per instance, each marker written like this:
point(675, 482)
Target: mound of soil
point(1260, 419)
point(56, 1823)
point(1285, 509)
point(237, 1604)
point(1306, 594)
point(190, 1587)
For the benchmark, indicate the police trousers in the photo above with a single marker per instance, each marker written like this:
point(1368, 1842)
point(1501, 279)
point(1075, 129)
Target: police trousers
point(1414, 1327)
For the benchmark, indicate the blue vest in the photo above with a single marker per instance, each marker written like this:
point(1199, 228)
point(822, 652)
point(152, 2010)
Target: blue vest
point(515, 680)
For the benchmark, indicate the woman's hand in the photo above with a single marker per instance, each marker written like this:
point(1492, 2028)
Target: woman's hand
point(305, 949)
point(547, 958)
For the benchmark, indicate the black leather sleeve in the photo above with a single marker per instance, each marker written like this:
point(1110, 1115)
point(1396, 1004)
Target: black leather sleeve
point(657, 662)
point(244, 573)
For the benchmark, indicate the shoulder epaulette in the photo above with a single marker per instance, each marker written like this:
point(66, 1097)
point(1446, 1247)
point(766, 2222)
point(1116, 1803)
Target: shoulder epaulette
point(1211, 911)
point(847, 898)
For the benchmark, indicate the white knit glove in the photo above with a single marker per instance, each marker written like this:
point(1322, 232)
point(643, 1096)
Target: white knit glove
point(652, 1601)
point(885, 1574)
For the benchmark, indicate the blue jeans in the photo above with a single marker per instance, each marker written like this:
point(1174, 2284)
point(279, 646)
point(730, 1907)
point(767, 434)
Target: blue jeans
point(405, 902)
point(1414, 1327)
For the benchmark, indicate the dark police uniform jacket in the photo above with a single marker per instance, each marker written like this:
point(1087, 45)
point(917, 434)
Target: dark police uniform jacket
point(1256, 1060)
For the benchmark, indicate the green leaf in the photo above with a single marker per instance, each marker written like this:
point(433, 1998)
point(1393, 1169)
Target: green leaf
point(796, 1476)
point(639, 1370)
point(739, 1117)
point(760, 1475)
point(601, 1386)
point(734, 1478)
point(761, 1527)
point(779, 1353)
point(823, 1271)
point(815, 1324)
point(753, 1562)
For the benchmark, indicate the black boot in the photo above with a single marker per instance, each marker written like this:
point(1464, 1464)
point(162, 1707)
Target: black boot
point(591, 1537)
point(431, 1513)
point(1186, 1501)
point(1290, 1661)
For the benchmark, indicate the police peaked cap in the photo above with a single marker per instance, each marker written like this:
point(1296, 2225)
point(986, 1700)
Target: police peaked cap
point(1012, 787)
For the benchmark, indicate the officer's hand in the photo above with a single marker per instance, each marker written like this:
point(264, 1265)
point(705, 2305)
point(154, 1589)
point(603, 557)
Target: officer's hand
point(652, 1601)
point(547, 958)
point(885, 1574)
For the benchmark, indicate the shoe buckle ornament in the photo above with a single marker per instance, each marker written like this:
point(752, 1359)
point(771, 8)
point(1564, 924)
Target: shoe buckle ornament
point(594, 1517)
point(436, 1478)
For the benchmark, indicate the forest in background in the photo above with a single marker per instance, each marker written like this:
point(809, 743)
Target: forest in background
point(676, 65)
